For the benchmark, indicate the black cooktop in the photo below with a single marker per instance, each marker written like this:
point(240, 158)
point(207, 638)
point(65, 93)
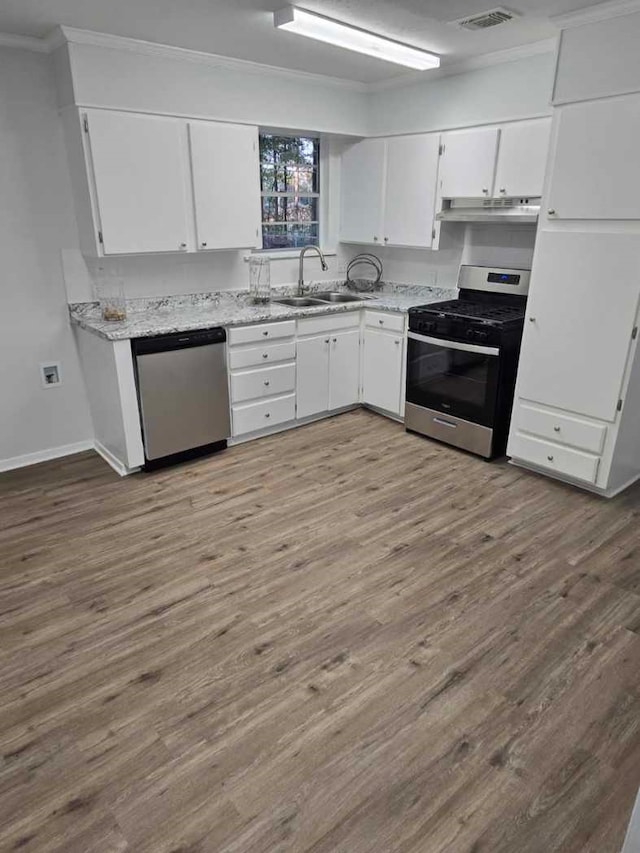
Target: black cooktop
point(489, 311)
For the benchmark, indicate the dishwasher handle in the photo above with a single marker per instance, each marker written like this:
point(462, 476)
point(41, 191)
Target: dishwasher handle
point(178, 340)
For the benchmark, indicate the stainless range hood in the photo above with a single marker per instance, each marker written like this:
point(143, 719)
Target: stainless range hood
point(522, 211)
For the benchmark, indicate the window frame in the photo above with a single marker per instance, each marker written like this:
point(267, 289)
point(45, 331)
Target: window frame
point(320, 195)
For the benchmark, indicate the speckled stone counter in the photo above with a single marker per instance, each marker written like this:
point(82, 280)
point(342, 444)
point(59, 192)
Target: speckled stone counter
point(161, 316)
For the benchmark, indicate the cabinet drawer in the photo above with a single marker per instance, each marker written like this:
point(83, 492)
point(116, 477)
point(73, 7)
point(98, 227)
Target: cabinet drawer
point(261, 332)
point(330, 323)
point(262, 383)
point(385, 321)
point(255, 416)
point(562, 428)
point(253, 356)
point(555, 457)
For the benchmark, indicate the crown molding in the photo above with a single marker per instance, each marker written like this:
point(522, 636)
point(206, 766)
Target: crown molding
point(24, 42)
point(70, 35)
point(474, 63)
point(62, 35)
point(593, 14)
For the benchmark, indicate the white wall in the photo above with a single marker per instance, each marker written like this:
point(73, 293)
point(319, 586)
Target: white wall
point(122, 79)
point(36, 219)
point(504, 92)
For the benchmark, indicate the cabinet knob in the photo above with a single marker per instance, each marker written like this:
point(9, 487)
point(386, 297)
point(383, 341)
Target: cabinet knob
point(265, 355)
point(532, 319)
point(266, 333)
point(266, 382)
point(335, 340)
point(551, 211)
point(503, 189)
point(204, 245)
point(386, 239)
point(267, 414)
point(326, 340)
point(381, 322)
point(556, 429)
point(397, 343)
point(485, 190)
point(375, 239)
point(182, 245)
point(550, 458)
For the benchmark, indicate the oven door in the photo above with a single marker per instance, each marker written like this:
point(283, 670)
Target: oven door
point(458, 379)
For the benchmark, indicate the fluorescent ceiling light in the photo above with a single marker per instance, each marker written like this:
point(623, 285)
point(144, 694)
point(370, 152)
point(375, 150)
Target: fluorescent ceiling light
point(352, 38)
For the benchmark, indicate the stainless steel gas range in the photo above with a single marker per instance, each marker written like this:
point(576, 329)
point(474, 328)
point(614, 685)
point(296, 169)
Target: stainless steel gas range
point(462, 358)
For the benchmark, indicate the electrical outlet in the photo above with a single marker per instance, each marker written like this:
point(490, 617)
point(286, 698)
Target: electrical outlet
point(50, 374)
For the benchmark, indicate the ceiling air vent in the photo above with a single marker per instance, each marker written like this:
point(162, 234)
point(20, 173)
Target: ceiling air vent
point(492, 18)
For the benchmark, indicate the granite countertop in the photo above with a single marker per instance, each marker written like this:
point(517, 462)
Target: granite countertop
point(164, 315)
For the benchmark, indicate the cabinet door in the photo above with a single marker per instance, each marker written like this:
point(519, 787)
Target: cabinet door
point(596, 168)
point(382, 374)
point(410, 189)
point(580, 317)
point(522, 158)
point(362, 179)
point(468, 163)
point(140, 181)
point(226, 184)
point(312, 376)
point(344, 369)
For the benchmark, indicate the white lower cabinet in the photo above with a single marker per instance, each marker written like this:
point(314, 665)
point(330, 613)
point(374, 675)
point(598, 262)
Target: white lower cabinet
point(344, 369)
point(312, 384)
point(288, 371)
point(267, 413)
point(328, 366)
point(383, 362)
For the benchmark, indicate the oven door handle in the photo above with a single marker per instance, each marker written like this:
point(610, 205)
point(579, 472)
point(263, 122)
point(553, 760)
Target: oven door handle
point(454, 344)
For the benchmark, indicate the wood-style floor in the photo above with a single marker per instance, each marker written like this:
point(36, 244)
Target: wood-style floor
point(342, 638)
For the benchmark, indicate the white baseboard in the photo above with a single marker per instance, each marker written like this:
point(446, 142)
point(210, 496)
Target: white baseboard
point(44, 455)
point(112, 461)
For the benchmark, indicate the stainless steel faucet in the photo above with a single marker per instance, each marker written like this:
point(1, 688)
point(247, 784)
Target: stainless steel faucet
point(301, 267)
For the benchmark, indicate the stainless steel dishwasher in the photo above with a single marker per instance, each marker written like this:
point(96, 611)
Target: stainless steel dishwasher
point(183, 395)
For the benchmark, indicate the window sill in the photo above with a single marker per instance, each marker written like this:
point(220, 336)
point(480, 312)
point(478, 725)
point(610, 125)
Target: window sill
point(284, 254)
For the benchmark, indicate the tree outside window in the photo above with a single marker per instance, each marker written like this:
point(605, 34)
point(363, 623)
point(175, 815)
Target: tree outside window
point(290, 187)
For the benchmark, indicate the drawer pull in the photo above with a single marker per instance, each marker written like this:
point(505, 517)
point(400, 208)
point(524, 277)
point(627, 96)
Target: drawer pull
point(265, 355)
point(550, 458)
point(266, 382)
point(442, 422)
point(266, 332)
point(556, 429)
point(381, 322)
point(267, 414)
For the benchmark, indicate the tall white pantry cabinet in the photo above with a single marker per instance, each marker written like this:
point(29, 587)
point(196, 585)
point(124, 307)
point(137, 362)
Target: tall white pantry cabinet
point(576, 414)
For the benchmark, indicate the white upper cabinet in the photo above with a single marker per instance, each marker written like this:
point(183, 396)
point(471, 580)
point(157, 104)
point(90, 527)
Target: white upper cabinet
point(140, 182)
point(522, 158)
point(580, 317)
point(226, 184)
point(362, 178)
point(410, 190)
point(468, 163)
point(588, 136)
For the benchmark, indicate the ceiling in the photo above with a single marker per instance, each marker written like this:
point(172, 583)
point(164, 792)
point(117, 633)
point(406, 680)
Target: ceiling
point(244, 28)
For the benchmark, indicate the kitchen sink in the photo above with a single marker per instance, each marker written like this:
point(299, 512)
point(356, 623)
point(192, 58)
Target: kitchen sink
point(335, 296)
point(299, 301)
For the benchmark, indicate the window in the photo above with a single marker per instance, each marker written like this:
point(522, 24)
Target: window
point(290, 186)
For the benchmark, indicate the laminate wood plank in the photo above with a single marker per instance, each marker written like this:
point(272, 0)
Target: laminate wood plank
point(341, 638)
